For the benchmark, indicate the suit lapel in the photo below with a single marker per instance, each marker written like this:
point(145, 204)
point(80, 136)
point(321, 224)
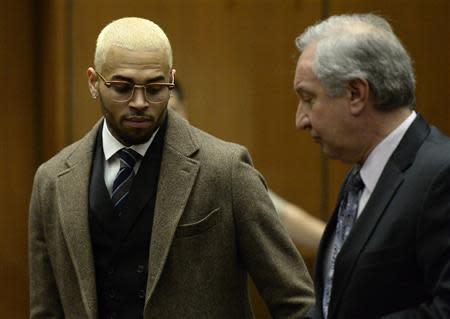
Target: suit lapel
point(100, 204)
point(72, 191)
point(321, 254)
point(385, 190)
point(177, 176)
point(389, 182)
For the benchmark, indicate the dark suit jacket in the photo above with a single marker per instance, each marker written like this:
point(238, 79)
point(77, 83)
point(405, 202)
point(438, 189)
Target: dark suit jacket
point(396, 261)
point(213, 224)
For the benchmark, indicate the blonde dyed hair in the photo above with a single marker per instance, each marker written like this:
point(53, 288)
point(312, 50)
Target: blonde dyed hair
point(133, 34)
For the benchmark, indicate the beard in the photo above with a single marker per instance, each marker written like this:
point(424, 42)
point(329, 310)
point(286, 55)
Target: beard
point(128, 135)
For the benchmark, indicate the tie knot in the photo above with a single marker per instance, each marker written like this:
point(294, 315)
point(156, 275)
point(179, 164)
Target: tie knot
point(128, 157)
point(355, 182)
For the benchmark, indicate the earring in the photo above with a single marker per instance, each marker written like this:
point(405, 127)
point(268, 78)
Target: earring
point(94, 95)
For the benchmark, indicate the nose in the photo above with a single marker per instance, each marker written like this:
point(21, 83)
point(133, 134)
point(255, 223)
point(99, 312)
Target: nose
point(302, 121)
point(138, 99)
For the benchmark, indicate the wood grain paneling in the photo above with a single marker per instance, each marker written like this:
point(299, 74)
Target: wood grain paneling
point(17, 152)
point(236, 61)
point(53, 72)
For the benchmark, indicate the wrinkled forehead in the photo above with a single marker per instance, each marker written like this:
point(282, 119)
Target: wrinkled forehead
point(305, 62)
point(307, 55)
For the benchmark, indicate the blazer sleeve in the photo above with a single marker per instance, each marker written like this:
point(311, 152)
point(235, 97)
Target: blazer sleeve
point(272, 260)
point(44, 297)
point(433, 251)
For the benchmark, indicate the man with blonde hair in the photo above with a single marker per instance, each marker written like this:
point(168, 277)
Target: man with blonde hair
point(385, 253)
point(149, 217)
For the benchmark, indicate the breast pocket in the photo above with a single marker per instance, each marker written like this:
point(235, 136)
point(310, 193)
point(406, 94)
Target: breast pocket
point(198, 227)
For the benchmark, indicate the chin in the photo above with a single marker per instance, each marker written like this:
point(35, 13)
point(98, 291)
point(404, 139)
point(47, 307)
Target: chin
point(330, 154)
point(129, 139)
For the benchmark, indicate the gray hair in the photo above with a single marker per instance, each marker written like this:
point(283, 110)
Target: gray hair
point(133, 34)
point(361, 46)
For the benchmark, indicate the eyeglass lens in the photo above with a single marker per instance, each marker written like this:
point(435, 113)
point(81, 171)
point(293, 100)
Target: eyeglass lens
point(122, 92)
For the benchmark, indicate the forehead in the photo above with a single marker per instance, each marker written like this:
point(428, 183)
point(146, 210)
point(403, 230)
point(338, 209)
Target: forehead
point(131, 62)
point(304, 74)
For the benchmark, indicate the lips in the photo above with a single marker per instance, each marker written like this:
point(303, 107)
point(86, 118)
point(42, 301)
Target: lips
point(137, 121)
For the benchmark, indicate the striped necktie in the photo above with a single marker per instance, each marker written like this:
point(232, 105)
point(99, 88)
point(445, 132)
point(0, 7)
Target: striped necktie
point(348, 209)
point(124, 178)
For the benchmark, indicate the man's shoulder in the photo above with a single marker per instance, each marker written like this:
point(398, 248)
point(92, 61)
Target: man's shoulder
point(423, 146)
point(203, 142)
point(432, 157)
point(58, 162)
point(437, 146)
point(61, 155)
point(209, 141)
point(219, 152)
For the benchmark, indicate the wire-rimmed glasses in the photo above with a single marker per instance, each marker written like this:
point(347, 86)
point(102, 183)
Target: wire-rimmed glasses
point(123, 91)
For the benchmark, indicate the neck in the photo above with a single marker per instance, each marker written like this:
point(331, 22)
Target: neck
point(379, 125)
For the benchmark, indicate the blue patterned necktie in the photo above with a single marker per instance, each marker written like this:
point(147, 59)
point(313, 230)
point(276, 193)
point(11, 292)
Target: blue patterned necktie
point(124, 178)
point(348, 209)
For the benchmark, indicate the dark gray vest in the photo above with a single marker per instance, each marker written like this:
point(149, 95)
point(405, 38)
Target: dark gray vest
point(121, 243)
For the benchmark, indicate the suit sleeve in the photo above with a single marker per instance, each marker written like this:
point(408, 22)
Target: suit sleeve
point(272, 260)
point(44, 297)
point(433, 251)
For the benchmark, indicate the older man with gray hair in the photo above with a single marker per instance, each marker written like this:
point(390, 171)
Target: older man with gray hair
point(149, 217)
point(385, 252)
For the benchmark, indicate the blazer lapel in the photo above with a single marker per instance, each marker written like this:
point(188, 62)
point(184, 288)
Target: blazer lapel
point(177, 176)
point(389, 182)
point(72, 191)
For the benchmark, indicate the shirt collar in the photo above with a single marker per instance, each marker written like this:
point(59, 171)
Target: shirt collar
point(111, 145)
point(374, 165)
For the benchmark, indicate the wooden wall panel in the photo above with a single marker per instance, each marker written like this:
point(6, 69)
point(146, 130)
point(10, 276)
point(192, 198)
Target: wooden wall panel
point(17, 152)
point(236, 61)
point(53, 73)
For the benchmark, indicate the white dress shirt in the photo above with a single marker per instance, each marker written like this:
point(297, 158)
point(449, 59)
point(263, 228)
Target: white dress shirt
point(112, 162)
point(370, 173)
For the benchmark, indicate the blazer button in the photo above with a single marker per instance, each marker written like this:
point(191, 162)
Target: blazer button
point(112, 294)
point(141, 294)
point(140, 269)
point(113, 316)
point(110, 271)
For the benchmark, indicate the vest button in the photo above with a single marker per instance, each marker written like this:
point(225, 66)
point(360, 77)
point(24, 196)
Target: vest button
point(140, 269)
point(113, 315)
point(141, 294)
point(110, 271)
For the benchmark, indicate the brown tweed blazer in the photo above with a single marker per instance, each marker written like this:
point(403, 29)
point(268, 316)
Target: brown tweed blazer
point(213, 225)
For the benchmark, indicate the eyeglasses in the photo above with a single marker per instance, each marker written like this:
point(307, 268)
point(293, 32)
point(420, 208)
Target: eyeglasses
point(123, 91)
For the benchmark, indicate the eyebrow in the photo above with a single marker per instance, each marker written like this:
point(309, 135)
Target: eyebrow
point(119, 77)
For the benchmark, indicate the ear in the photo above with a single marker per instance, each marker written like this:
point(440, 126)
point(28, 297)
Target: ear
point(359, 90)
point(172, 75)
point(92, 82)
